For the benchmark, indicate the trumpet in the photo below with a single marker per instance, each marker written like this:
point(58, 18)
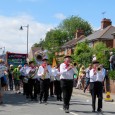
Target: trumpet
point(99, 68)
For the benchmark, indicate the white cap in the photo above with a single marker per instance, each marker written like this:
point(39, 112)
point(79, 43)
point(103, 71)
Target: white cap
point(20, 66)
point(11, 65)
point(111, 53)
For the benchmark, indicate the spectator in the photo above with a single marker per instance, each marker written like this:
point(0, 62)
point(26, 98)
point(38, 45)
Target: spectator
point(112, 61)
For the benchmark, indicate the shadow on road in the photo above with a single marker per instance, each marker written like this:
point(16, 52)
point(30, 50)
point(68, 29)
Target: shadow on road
point(10, 98)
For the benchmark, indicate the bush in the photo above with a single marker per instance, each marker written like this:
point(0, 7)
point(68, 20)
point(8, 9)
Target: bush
point(111, 75)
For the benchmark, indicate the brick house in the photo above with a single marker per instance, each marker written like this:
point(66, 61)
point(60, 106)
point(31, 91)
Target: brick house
point(106, 34)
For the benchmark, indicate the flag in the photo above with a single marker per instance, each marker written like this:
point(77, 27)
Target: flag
point(54, 63)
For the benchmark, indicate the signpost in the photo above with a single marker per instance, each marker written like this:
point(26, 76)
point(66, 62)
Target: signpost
point(16, 59)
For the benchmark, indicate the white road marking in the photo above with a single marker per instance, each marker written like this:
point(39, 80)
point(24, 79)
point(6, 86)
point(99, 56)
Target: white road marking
point(87, 100)
point(61, 108)
point(70, 112)
point(73, 113)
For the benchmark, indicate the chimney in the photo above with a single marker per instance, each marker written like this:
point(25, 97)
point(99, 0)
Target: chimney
point(105, 23)
point(79, 33)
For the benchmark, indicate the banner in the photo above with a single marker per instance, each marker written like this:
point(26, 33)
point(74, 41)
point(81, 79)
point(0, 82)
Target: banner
point(16, 59)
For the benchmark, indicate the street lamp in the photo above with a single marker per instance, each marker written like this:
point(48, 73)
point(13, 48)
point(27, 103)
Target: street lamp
point(21, 28)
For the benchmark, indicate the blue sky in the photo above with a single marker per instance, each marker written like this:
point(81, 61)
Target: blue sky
point(42, 15)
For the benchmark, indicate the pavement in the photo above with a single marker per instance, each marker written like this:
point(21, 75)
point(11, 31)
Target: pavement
point(78, 91)
point(17, 104)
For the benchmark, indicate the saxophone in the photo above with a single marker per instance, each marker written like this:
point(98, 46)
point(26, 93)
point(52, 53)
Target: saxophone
point(45, 73)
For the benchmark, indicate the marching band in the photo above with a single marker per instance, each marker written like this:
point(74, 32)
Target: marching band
point(36, 80)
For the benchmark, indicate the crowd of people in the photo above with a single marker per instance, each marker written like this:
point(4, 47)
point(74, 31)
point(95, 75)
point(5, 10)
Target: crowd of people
point(41, 81)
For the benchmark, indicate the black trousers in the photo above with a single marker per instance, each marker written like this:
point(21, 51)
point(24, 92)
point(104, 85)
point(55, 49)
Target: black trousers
point(51, 88)
point(33, 86)
point(26, 89)
point(96, 89)
point(44, 89)
point(11, 84)
point(67, 87)
point(58, 90)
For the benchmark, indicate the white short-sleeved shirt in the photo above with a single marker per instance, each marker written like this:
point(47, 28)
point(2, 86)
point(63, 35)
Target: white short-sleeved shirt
point(64, 73)
point(97, 77)
point(41, 72)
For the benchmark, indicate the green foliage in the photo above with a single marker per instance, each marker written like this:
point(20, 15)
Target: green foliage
point(71, 24)
point(83, 53)
point(111, 75)
point(50, 57)
point(54, 39)
point(33, 60)
point(102, 53)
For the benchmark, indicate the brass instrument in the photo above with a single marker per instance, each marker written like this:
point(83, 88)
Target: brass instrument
point(99, 68)
point(39, 56)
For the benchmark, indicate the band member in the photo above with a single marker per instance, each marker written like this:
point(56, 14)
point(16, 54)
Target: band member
point(56, 74)
point(32, 70)
point(51, 88)
point(44, 72)
point(96, 86)
point(24, 77)
point(66, 77)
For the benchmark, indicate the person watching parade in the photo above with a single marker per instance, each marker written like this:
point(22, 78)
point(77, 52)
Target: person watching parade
point(3, 81)
point(16, 76)
point(10, 76)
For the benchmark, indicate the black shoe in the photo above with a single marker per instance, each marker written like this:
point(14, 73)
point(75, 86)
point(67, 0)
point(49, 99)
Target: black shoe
point(66, 110)
point(45, 102)
point(35, 99)
point(51, 95)
point(84, 90)
point(99, 110)
point(27, 97)
point(60, 99)
point(1, 102)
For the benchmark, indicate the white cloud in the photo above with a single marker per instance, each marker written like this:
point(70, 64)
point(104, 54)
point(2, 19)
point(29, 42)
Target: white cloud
point(60, 16)
point(14, 39)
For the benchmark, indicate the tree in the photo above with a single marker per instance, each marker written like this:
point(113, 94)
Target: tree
point(83, 53)
point(102, 53)
point(40, 44)
point(54, 39)
point(71, 24)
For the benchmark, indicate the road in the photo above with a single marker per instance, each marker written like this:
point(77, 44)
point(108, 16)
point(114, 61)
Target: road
point(17, 104)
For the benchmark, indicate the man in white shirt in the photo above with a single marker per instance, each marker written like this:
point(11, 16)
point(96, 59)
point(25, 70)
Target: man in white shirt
point(96, 86)
point(44, 72)
point(32, 70)
point(58, 91)
point(67, 72)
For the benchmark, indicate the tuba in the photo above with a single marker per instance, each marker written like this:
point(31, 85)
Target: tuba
point(39, 56)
